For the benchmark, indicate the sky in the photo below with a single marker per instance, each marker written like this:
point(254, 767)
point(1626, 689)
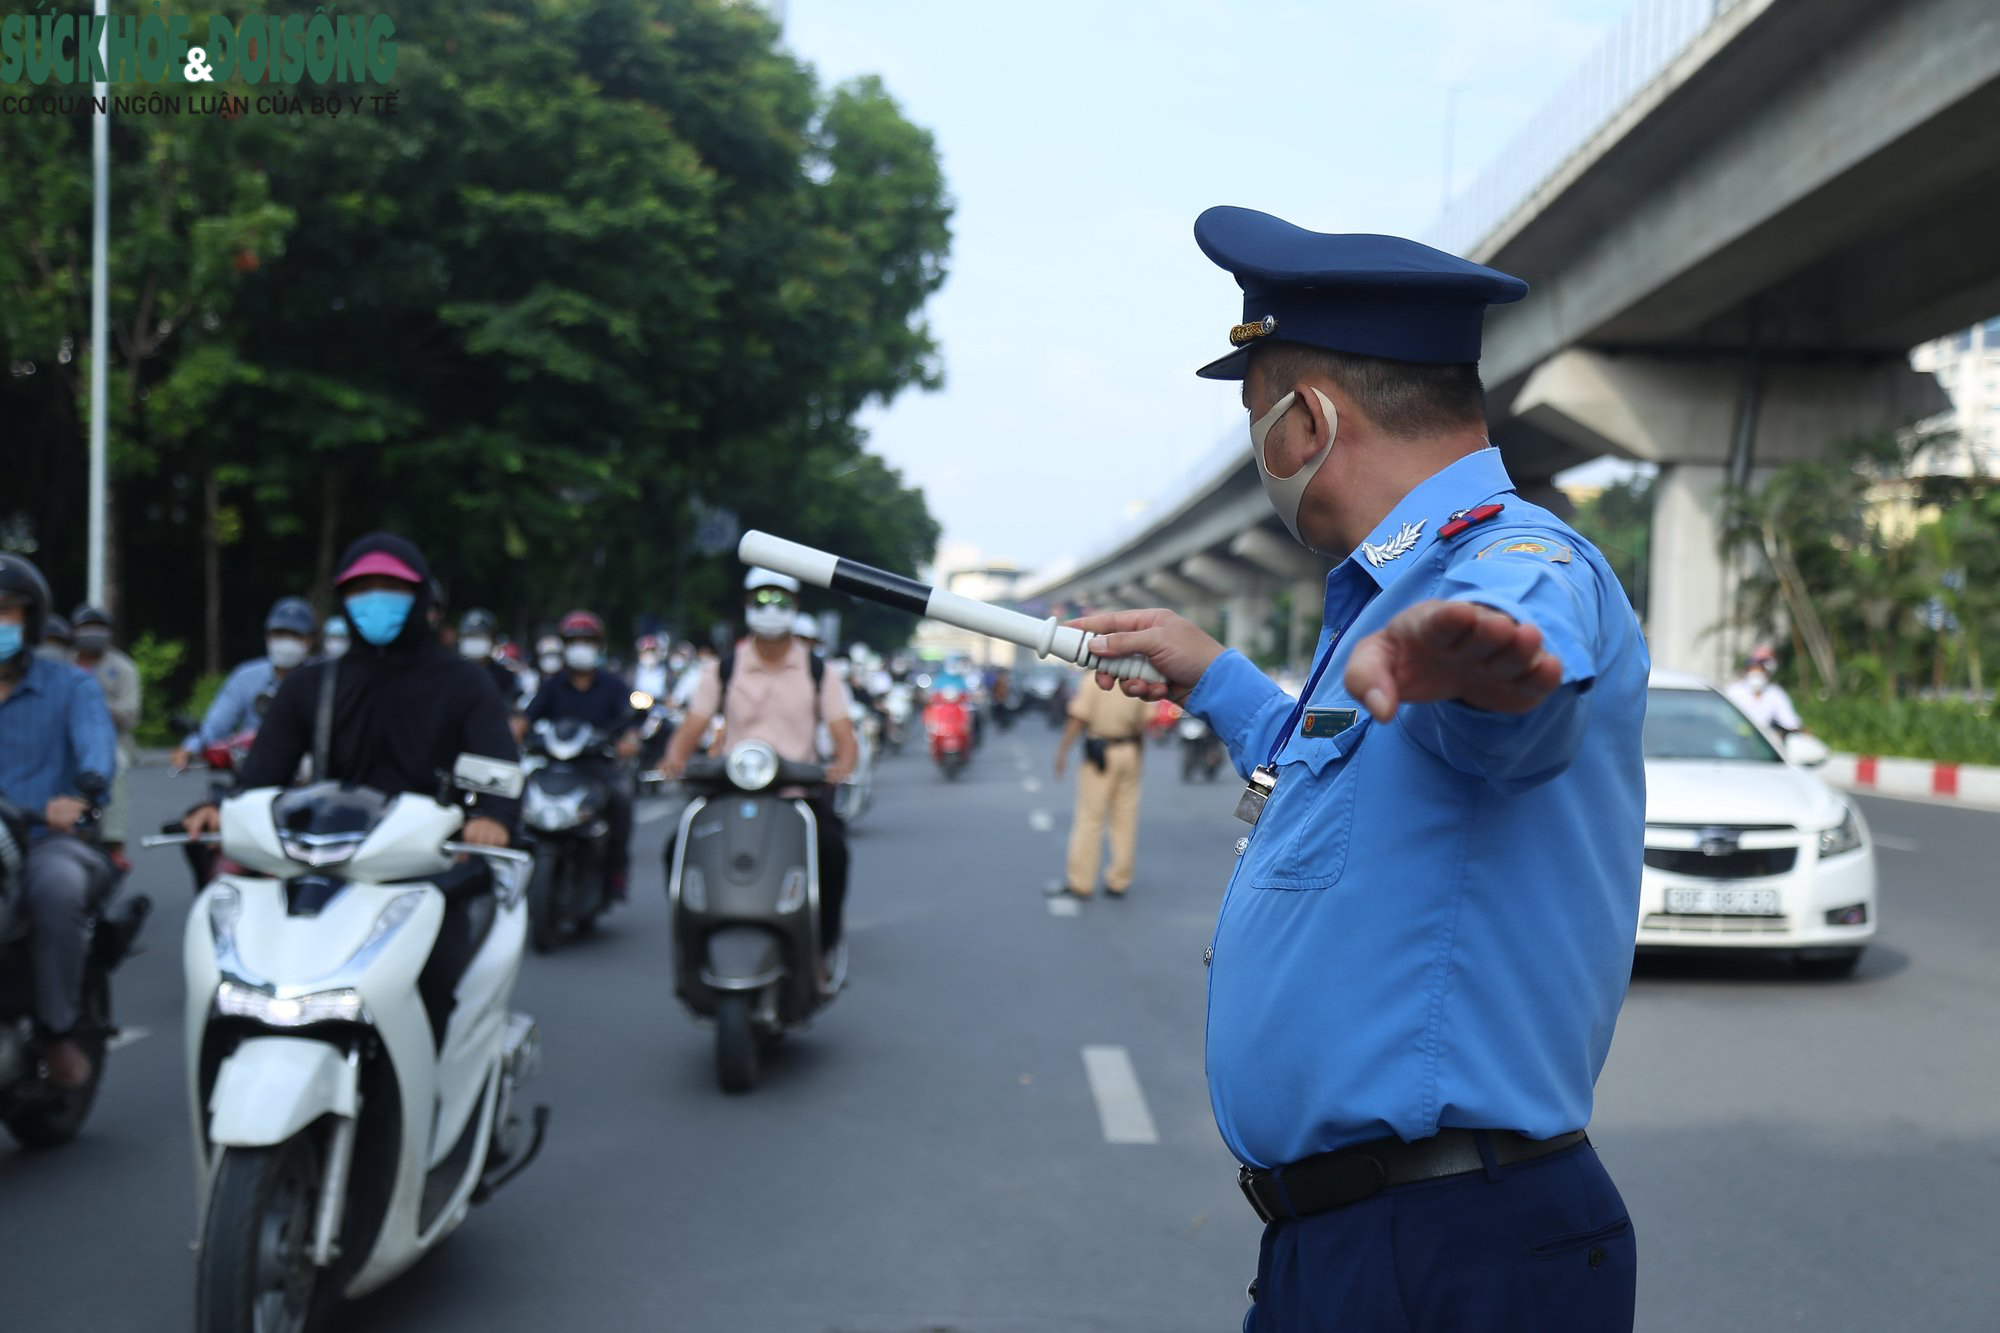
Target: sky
point(1080, 140)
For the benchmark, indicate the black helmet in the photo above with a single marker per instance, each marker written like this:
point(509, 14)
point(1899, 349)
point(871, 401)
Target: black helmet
point(86, 614)
point(55, 627)
point(477, 620)
point(19, 578)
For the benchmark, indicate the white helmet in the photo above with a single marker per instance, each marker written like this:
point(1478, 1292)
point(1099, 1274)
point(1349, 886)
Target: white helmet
point(760, 577)
point(806, 627)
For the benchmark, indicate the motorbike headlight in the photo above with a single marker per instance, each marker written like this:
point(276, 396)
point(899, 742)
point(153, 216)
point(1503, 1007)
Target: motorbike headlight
point(233, 999)
point(1842, 837)
point(318, 850)
point(752, 766)
point(694, 889)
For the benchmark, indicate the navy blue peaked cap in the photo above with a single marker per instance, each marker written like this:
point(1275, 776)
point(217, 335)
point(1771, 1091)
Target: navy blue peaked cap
point(1369, 295)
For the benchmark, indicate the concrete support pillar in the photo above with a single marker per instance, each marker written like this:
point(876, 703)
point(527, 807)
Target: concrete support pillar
point(1246, 623)
point(1685, 416)
point(1689, 585)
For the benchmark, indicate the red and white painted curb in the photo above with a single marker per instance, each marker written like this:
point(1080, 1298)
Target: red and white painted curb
point(1966, 784)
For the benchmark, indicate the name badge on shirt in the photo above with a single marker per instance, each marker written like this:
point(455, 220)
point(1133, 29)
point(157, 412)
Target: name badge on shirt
point(1326, 723)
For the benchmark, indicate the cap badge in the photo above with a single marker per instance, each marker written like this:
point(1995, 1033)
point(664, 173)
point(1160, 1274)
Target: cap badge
point(1243, 333)
point(1397, 545)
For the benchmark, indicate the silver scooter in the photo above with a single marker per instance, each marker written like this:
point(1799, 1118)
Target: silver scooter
point(743, 886)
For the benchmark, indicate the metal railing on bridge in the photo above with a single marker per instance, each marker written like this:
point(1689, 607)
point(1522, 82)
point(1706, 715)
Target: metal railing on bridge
point(1646, 42)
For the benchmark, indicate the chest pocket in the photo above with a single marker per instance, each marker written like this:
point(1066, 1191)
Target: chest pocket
point(1301, 840)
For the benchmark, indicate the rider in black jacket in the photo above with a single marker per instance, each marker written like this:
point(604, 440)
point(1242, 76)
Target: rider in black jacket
point(404, 706)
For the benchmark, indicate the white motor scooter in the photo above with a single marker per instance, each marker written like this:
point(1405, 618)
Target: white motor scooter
point(352, 1060)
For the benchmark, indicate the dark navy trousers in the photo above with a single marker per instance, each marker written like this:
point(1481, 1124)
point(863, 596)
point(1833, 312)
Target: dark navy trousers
point(1541, 1247)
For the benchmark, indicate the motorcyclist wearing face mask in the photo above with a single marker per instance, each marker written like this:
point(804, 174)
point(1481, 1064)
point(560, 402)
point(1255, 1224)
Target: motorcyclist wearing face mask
point(1761, 698)
point(56, 744)
point(118, 677)
point(588, 692)
point(477, 631)
point(775, 694)
point(654, 676)
point(56, 639)
point(334, 639)
point(549, 657)
point(288, 633)
point(404, 706)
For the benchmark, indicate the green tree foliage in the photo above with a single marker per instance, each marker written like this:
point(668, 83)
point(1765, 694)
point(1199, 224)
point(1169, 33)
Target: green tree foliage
point(608, 257)
point(1883, 581)
point(1619, 522)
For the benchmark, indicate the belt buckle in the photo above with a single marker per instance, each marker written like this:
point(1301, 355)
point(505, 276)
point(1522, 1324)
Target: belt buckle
point(1246, 1181)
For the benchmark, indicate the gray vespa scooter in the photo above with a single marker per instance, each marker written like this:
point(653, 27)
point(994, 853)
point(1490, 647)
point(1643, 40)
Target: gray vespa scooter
point(743, 887)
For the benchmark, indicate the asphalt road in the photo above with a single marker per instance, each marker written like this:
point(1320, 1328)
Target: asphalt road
point(937, 1153)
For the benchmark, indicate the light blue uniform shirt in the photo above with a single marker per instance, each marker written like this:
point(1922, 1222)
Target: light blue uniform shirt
point(53, 727)
point(1432, 923)
point(234, 709)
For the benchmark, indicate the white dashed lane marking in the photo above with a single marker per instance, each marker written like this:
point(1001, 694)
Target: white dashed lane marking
point(1121, 1105)
point(1041, 821)
point(1063, 906)
point(1031, 785)
point(1894, 844)
point(127, 1036)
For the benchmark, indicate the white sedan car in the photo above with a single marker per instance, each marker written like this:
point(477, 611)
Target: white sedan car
point(1746, 848)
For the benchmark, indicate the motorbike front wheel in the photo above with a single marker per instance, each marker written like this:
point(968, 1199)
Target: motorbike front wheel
point(256, 1273)
point(57, 1116)
point(735, 1044)
point(545, 901)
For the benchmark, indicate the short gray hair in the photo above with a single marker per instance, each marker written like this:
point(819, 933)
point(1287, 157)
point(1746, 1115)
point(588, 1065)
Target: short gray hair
point(1404, 399)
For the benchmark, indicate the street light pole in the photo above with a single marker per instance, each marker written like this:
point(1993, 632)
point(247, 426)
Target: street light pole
point(100, 229)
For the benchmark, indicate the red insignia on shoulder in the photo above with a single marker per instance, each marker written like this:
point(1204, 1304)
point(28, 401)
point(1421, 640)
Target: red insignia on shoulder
point(1465, 518)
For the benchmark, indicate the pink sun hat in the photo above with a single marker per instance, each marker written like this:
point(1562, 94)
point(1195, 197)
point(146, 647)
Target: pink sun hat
point(378, 562)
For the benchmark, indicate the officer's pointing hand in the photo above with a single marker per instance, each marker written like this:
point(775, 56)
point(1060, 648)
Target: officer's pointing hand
point(1452, 650)
point(1177, 648)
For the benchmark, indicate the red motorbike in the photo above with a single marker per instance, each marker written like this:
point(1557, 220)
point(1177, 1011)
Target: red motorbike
point(948, 723)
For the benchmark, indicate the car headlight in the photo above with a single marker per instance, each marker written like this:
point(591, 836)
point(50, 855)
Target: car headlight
point(1842, 837)
point(233, 999)
point(752, 766)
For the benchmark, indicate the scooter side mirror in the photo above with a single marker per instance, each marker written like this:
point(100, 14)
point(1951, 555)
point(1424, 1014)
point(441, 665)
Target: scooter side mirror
point(484, 776)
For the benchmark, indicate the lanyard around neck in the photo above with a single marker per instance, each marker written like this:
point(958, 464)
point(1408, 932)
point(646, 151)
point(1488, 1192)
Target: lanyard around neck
point(1299, 708)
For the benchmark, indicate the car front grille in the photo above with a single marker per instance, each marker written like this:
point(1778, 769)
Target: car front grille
point(1739, 864)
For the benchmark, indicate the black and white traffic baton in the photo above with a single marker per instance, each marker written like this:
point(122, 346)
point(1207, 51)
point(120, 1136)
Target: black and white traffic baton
point(1048, 638)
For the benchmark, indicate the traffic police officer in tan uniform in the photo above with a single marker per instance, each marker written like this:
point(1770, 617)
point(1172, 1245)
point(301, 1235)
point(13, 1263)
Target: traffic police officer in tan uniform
point(1422, 952)
point(1113, 727)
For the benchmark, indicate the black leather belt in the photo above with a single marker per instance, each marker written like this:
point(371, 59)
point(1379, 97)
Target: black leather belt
point(1335, 1179)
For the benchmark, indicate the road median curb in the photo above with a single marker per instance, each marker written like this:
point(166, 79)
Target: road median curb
point(1916, 779)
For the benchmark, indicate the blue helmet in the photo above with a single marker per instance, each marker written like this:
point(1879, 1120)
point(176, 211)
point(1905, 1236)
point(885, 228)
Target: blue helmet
point(292, 615)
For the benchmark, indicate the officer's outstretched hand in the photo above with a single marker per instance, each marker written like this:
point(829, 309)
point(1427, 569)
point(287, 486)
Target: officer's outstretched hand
point(1176, 647)
point(1452, 650)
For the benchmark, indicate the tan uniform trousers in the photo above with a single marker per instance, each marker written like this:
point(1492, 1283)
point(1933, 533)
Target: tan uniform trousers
point(1113, 794)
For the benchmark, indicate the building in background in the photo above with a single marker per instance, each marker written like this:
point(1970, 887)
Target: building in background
point(964, 569)
point(1967, 366)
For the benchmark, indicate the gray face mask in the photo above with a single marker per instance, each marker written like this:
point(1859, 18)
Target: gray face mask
point(1288, 493)
point(93, 641)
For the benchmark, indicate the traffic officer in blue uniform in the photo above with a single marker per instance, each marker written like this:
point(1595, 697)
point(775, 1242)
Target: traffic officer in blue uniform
point(1422, 952)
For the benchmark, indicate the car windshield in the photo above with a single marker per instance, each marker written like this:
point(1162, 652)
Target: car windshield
point(1701, 724)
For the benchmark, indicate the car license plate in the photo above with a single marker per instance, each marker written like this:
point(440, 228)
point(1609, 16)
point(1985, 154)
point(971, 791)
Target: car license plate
point(1718, 900)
